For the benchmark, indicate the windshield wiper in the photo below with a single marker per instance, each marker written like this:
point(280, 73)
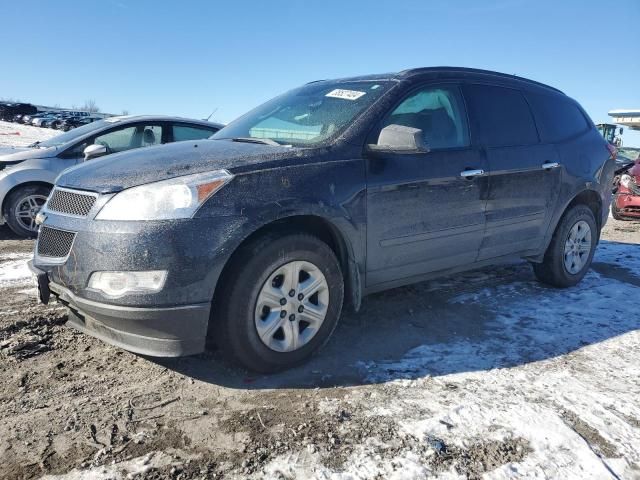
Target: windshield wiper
point(263, 141)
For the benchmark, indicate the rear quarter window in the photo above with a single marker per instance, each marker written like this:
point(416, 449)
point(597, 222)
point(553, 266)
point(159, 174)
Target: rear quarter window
point(189, 132)
point(558, 118)
point(501, 116)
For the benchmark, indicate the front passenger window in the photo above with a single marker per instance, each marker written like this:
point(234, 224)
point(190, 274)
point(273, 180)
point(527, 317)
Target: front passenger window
point(438, 112)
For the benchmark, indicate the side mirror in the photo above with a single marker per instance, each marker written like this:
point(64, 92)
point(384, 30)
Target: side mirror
point(400, 139)
point(94, 151)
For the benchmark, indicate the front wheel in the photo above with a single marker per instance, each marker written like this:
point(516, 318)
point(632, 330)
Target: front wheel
point(21, 208)
point(571, 250)
point(280, 303)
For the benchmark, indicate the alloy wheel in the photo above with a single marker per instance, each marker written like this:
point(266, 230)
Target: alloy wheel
point(27, 209)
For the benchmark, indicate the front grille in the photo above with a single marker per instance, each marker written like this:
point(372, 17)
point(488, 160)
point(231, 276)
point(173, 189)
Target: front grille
point(54, 243)
point(71, 203)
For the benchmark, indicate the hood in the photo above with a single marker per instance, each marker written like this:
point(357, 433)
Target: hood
point(8, 150)
point(16, 155)
point(150, 164)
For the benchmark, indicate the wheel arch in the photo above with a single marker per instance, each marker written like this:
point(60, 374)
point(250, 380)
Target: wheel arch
point(37, 183)
point(589, 197)
point(317, 226)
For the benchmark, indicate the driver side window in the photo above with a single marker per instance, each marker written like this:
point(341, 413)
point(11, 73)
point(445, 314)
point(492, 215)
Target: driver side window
point(438, 112)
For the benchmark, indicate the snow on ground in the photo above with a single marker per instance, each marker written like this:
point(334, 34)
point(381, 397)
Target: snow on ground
point(18, 135)
point(14, 271)
point(557, 368)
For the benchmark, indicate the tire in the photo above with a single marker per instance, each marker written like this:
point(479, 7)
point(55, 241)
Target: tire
point(38, 194)
point(238, 313)
point(554, 270)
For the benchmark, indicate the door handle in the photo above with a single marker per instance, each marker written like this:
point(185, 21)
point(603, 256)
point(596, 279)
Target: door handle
point(550, 165)
point(471, 173)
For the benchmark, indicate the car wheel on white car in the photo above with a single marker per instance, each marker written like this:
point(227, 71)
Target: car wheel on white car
point(21, 207)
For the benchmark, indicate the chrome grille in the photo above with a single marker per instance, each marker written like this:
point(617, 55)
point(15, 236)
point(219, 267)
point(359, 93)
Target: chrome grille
point(71, 203)
point(54, 243)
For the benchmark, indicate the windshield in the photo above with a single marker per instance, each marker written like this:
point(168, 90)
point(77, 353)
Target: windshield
point(73, 134)
point(306, 116)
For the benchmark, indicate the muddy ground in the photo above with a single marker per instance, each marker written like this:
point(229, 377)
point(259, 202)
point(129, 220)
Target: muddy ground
point(73, 405)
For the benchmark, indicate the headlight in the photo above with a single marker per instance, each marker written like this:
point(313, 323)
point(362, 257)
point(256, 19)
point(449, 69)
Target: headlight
point(117, 284)
point(178, 197)
point(625, 181)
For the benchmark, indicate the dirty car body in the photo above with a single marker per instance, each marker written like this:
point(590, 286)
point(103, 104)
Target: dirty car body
point(389, 216)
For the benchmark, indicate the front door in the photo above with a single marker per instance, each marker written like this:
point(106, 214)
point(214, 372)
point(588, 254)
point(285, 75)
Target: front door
point(422, 214)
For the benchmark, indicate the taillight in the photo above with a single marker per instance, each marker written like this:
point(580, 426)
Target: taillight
point(612, 150)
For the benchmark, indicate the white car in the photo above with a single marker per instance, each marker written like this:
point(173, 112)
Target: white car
point(27, 175)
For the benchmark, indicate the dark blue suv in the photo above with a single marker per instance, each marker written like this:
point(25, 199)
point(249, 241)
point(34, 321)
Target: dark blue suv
point(339, 188)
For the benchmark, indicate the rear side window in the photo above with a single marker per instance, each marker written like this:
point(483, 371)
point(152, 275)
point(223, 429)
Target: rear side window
point(558, 118)
point(501, 116)
point(186, 132)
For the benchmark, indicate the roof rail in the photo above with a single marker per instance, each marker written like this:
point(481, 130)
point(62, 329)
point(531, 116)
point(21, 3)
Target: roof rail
point(416, 71)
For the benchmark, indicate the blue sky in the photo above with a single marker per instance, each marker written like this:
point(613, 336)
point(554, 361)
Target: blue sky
point(189, 57)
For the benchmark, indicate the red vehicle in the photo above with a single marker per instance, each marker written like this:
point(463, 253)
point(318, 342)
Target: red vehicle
point(626, 200)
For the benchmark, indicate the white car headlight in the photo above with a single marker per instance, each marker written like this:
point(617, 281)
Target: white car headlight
point(178, 197)
point(625, 181)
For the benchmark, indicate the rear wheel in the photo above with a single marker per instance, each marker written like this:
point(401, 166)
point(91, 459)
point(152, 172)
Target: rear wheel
point(280, 303)
point(571, 250)
point(22, 206)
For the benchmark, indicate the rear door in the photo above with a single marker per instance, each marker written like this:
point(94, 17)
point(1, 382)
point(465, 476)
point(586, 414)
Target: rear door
point(422, 215)
point(524, 173)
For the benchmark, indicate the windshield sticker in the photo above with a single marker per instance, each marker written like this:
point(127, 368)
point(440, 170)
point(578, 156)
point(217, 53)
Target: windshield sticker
point(345, 94)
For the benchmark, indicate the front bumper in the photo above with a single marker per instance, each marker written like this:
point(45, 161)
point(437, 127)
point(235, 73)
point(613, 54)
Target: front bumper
point(159, 332)
point(172, 322)
point(626, 203)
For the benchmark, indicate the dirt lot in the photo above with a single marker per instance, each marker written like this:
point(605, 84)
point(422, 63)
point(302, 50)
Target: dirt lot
point(486, 373)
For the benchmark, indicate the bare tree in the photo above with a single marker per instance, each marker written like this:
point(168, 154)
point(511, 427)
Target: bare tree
point(125, 112)
point(90, 106)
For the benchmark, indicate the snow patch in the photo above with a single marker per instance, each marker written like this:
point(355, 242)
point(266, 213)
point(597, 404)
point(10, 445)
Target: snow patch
point(546, 357)
point(19, 135)
point(15, 272)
